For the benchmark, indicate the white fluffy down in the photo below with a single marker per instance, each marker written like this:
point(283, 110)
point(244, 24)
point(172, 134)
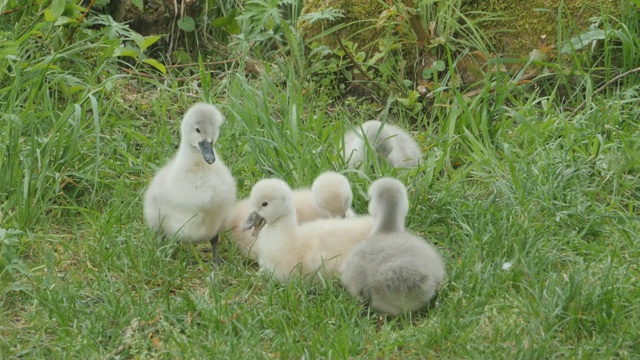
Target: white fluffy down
point(189, 199)
point(287, 249)
point(329, 197)
point(388, 141)
point(393, 270)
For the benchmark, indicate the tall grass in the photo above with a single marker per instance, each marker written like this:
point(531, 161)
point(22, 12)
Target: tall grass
point(534, 210)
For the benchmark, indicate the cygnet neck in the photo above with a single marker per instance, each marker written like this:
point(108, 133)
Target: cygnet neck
point(189, 155)
point(285, 221)
point(388, 219)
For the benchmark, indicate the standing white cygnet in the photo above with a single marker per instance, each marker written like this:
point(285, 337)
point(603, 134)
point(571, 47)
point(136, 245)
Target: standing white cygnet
point(388, 141)
point(286, 249)
point(329, 197)
point(193, 194)
point(393, 270)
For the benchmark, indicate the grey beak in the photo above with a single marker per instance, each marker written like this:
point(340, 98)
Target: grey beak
point(206, 147)
point(253, 220)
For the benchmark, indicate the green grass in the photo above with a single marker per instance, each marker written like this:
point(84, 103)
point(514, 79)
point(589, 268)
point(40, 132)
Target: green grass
point(509, 177)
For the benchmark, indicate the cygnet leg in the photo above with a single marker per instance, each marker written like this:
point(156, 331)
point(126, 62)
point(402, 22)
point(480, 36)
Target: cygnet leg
point(214, 247)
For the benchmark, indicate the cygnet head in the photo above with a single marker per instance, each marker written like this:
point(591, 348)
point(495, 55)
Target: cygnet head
point(332, 193)
point(389, 204)
point(270, 199)
point(201, 128)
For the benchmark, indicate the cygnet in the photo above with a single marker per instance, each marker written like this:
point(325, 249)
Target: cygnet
point(314, 249)
point(330, 196)
point(393, 270)
point(193, 194)
point(388, 141)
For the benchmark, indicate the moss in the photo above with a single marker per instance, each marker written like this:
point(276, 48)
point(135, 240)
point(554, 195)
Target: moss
point(526, 21)
point(518, 32)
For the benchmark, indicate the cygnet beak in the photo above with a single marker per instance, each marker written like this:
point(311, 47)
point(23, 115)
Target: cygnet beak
point(253, 220)
point(206, 147)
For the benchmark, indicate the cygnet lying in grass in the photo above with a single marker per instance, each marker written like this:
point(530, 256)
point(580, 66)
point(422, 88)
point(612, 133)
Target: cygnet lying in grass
point(287, 249)
point(329, 197)
point(193, 194)
point(393, 270)
point(389, 141)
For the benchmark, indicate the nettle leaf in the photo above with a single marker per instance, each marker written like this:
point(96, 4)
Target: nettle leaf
point(149, 40)
point(138, 3)
point(156, 64)
point(583, 40)
point(187, 24)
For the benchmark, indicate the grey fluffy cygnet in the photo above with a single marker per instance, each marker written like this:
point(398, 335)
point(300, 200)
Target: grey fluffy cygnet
point(314, 249)
point(389, 141)
point(329, 197)
point(393, 270)
point(193, 194)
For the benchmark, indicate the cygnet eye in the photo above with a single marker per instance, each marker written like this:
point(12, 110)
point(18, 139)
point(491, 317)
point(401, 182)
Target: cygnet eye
point(265, 204)
point(198, 130)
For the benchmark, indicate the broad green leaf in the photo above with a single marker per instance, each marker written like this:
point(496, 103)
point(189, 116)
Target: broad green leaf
point(156, 64)
point(138, 39)
point(149, 40)
point(8, 48)
point(57, 8)
point(187, 24)
point(221, 21)
point(234, 28)
point(73, 11)
point(63, 20)
point(40, 66)
point(228, 23)
point(414, 96)
point(438, 65)
point(48, 15)
point(225, 21)
point(125, 52)
point(404, 101)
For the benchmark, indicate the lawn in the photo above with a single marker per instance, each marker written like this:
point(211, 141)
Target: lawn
point(531, 196)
